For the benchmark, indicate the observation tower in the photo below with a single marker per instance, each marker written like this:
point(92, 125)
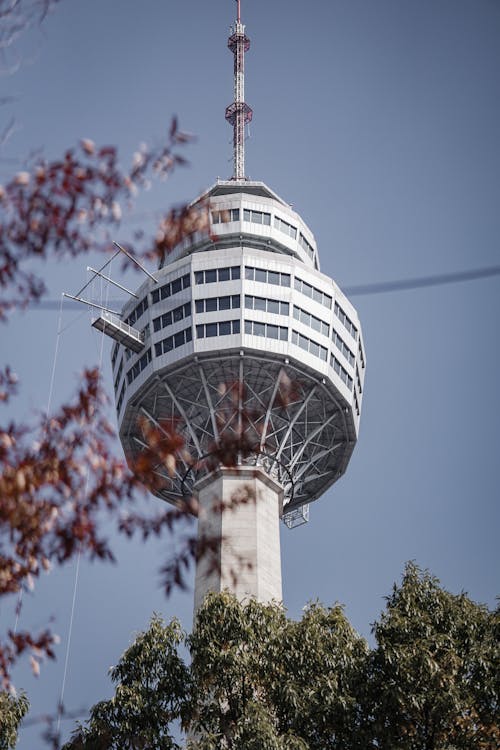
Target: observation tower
point(240, 341)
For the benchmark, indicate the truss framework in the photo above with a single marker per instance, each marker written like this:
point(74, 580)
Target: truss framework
point(261, 412)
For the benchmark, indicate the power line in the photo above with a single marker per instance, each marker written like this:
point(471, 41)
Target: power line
point(378, 287)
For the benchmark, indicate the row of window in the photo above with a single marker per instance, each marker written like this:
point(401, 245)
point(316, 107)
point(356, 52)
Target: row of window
point(276, 306)
point(217, 274)
point(358, 380)
point(120, 398)
point(310, 291)
point(309, 345)
point(356, 403)
point(270, 331)
point(311, 320)
point(305, 245)
point(212, 304)
point(221, 328)
point(341, 371)
point(342, 346)
point(172, 316)
point(139, 366)
point(225, 216)
point(346, 321)
point(256, 217)
point(285, 227)
point(267, 277)
point(118, 375)
point(137, 312)
point(172, 342)
point(173, 287)
point(361, 355)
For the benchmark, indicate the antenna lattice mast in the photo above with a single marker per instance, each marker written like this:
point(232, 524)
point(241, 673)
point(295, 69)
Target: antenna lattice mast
point(238, 113)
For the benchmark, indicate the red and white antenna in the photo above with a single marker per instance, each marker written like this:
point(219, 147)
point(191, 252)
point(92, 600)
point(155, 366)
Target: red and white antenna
point(238, 113)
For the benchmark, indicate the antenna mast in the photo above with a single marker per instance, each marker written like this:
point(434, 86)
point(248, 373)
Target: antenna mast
point(238, 113)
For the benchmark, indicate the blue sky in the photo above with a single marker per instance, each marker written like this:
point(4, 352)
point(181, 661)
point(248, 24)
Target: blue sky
point(379, 121)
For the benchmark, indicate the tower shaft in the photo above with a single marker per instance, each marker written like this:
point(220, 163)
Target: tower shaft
point(240, 508)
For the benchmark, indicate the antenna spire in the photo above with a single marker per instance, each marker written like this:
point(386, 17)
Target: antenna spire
point(238, 113)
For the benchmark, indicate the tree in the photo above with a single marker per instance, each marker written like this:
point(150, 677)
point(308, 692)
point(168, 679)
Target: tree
point(434, 677)
point(12, 711)
point(258, 679)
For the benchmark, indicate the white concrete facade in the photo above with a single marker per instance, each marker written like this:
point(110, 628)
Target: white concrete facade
point(241, 507)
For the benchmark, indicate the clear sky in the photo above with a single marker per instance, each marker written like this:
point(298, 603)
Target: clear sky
point(378, 120)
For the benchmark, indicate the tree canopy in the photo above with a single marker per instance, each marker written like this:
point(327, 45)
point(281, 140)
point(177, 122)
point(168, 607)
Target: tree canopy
point(257, 679)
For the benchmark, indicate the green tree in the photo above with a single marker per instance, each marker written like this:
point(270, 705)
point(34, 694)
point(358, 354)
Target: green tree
point(258, 680)
point(433, 679)
point(12, 711)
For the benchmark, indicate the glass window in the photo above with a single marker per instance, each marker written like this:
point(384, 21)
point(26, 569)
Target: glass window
point(284, 308)
point(246, 215)
point(285, 279)
point(200, 305)
point(210, 276)
point(165, 291)
point(273, 306)
point(260, 274)
point(248, 302)
point(168, 344)
point(235, 301)
point(317, 295)
point(186, 281)
point(267, 219)
point(211, 304)
point(283, 333)
point(260, 303)
point(158, 349)
point(224, 328)
point(176, 286)
point(235, 272)
point(211, 329)
point(198, 277)
point(178, 314)
point(259, 329)
point(223, 274)
point(303, 342)
point(274, 277)
point(179, 338)
point(155, 295)
point(248, 326)
point(236, 326)
point(249, 273)
point(156, 324)
point(272, 331)
point(189, 334)
point(224, 303)
point(235, 214)
point(200, 331)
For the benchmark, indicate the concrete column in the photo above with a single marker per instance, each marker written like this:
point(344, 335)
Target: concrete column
point(242, 507)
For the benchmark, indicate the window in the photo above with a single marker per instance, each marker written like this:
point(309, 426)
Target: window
point(225, 215)
point(311, 320)
point(256, 328)
point(218, 274)
point(285, 227)
point(346, 321)
point(137, 312)
point(256, 217)
point(309, 345)
point(358, 380)
point(361, 355)
point(222, 328)
point(114, 355)
point(173, 316)
point(118, 375)
point(312, 292)
point(342, 346)
point(267, 305)
point(305, 245)
point(173, 287)
point(210, 304)
point(139, 366)
point(120, 397)
point(341, 371)
point(172, 342)
point(269, 277)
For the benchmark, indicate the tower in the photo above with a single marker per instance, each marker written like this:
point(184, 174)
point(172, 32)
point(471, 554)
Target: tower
point(255, 356)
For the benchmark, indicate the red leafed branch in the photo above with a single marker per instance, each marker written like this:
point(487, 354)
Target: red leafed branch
point(63, 208)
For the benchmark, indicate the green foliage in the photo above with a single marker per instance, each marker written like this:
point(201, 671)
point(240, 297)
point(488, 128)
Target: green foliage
point(260, 681)
point(12, 711)
point(434, 676)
